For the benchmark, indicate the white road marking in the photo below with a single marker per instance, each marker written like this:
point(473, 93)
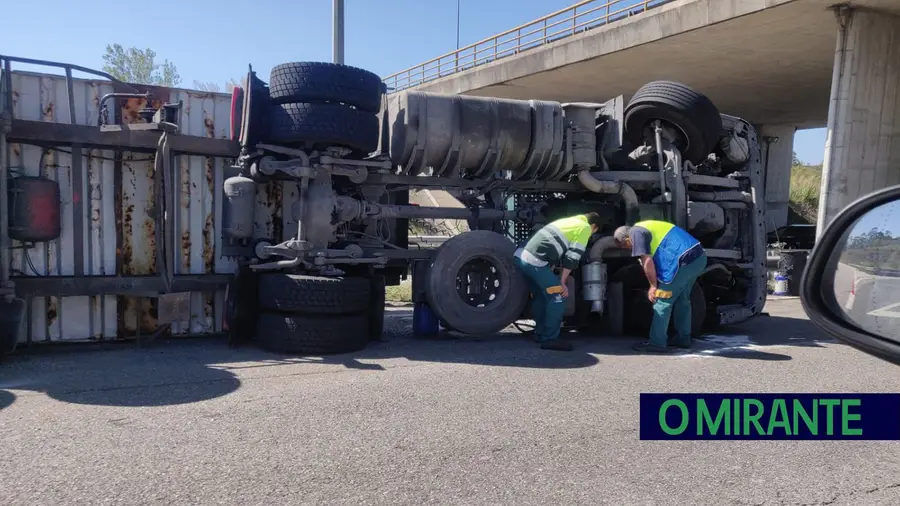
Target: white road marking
point(748, 348)
point(886, 311)
point(735, 340)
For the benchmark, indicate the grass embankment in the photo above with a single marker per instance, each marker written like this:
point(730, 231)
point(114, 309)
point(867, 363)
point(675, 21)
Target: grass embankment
point(399, 293)
point(806, 182)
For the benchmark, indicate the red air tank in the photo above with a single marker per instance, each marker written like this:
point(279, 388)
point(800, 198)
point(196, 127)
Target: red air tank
point(34, 209)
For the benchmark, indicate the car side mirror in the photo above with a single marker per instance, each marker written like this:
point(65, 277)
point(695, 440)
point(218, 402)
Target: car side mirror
point(851, 285)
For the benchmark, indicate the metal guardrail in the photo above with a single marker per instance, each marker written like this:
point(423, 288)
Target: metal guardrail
point(550, 28)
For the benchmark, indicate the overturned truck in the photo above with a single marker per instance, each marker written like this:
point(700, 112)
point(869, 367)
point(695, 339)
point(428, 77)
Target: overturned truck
point(345, 155)
point(354, 153)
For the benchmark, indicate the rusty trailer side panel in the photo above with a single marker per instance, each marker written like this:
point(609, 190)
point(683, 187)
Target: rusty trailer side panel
point(116, 197)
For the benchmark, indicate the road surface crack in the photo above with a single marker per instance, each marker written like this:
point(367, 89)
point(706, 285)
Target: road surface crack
point(854, 493)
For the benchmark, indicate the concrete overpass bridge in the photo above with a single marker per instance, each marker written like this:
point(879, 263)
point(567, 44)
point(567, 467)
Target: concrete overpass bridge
point(782, 64)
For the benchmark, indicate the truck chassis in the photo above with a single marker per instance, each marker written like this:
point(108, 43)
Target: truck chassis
point(315, 288)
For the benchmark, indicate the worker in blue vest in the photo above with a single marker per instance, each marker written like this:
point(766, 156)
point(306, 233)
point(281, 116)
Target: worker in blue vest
point(560, 243)
point(672, 261)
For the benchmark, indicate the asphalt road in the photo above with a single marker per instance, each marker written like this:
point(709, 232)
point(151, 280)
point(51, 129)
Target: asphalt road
point(449, 421)
point(875, 305)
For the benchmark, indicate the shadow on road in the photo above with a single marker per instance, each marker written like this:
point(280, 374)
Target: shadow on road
point(187, 371)
point(158, 376)
point(6, 398)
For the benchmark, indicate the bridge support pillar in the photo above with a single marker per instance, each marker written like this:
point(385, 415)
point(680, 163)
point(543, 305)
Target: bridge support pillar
point(778, 156)
point(862, 146)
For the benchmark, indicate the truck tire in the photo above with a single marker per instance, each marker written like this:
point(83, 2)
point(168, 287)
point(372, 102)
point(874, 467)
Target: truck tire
point(241, 305)
point(695, 117)
point(495, 253)
point(325, 82)
point(324, 125)
point(698, 311)
point(295, 293)
point(376, 307)
point(312, 334)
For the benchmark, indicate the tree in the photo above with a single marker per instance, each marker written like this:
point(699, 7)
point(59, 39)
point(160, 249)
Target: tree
point(139, 66)
point(214, 88)
point(796, 160)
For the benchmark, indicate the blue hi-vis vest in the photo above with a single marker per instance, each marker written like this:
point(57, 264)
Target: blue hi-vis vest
point(668, 245)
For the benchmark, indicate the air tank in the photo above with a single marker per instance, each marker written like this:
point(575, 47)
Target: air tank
point(238, 207)
point(463, 136)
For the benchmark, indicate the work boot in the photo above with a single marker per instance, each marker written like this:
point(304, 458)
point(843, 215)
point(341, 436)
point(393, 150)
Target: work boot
point(557, 345)
point(649, 347)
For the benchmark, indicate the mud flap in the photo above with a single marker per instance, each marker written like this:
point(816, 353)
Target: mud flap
point(12, 324)
point(241, 307)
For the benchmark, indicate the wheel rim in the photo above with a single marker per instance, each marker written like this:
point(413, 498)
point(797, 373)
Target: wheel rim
point(479, 282)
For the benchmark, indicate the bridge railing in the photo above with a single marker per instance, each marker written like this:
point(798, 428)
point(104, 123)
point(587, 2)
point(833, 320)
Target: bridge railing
point(567, 22)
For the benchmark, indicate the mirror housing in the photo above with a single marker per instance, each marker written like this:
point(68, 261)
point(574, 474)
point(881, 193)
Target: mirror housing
point(817, 292)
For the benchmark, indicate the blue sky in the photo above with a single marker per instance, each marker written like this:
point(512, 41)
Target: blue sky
point(213, 41)
point(884, 217)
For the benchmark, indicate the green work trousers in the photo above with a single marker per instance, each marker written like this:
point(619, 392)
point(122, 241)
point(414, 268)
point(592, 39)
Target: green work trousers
point(547, 309)
point(679, 304)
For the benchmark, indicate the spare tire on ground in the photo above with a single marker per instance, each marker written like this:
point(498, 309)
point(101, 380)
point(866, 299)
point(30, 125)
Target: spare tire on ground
point(325, 82)
point(312, 334)
point(691, 115)
point(473, 284)
point(296, 293)
point(313, 124)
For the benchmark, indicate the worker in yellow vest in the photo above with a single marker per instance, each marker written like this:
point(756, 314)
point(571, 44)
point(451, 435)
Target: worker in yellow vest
point(560, 243)
point(672, 261)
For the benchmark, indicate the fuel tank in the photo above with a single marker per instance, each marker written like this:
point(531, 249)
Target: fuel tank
point(474, 137)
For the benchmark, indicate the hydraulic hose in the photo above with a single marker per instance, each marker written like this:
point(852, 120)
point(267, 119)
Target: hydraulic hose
point(623, 190)
point(599, 247)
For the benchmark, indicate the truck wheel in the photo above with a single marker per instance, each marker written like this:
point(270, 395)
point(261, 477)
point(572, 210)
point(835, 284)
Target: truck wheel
point(376, 307)
point(241, 306)
point(294, 293)
point(325, 82)
point(639, 309)
point(473, 284)
point(693, 117)
point(323, 125)
point(312, 334)
point(698, 311)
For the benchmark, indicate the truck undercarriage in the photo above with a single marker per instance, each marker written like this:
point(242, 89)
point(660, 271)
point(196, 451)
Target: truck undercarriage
point(346, 155)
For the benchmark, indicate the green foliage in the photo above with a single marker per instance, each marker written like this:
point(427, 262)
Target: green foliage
point(876, 250)
point(139, 66)
point(214, 87)
point(399, 293)
point(806, 182)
